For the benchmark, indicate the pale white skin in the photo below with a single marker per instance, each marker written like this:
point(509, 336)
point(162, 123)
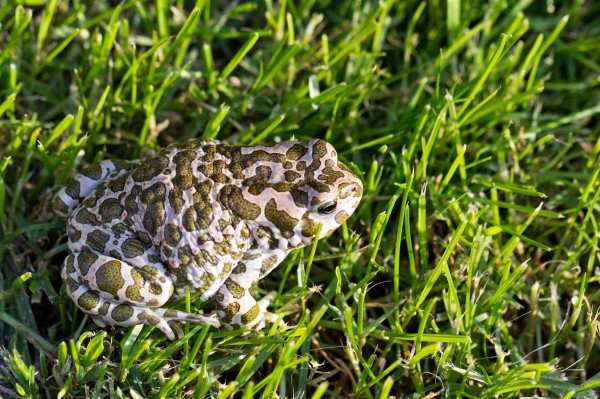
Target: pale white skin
point(200, 216)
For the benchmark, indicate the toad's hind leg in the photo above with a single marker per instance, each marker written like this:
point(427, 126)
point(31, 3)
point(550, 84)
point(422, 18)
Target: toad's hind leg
point(82, 184)
point(115, 292)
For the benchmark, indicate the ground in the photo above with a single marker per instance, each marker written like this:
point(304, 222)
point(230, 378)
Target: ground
point(470, 269)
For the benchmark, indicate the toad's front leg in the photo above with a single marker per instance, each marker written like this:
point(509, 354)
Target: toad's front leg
point(236, 307)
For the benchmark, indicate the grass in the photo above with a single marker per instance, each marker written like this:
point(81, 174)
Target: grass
point(470, 269)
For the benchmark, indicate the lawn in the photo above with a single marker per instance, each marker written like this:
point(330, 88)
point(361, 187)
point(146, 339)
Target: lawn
point(469, 270)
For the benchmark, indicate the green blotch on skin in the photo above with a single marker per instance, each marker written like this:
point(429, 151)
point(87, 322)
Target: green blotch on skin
point(144, 238)
point(237, 291)
point(329, 174)
point(72, 284)
point(155, 193)
point(73, 233)
point(341, 216)
point(226, 270)
point(94, 172)
point(319, 149)
point(154, 217)
point(216, 172)
point(85, 260)
point(172, 234)
point(239, 269)
point(185, 255)
point(133, 247)
point(250, 315)
point(149, 272)
point(88, 300)
point(203, 189)
point(291, 176)
point(103, 310)
point(296, 152)
point(207, 280)
point(268, 264)
point(261, 156)
point(97, 240)
point(300, 197)
point(266, 232)
point(118, 183)
point(309, 226)
point(155, 288)
point(73, 189)
point(255, 187)
point(230, 311)
point(281, 219)
point(108, 277)
point(122, 313)
point(84, 216)
point(197, 217)
point(152, 320)
point(132, 292)
point(189, 219)
point(232, 198)
point(263, 172)
point(346, 190)
point(176, 200)
point(119, 229)
point(150, 168)
point(318, 186)
point(70, 262)
point(131, 201)
point(184, 177)
point(59, 206)
point(222, 248)
point(110, 209)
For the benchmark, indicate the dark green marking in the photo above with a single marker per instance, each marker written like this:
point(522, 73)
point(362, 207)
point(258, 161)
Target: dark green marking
point(110, 209)
point(97, 240)
point(108, 277)
point(94, 172)
point(281, 219)
point(122, 312)
point(236, 290)
point(73, 189)
point(296, 152)
point(232, 198)
point(133, 247)
point(85, 260)
point(150, 168)
point(250, 315)
point(88, 300)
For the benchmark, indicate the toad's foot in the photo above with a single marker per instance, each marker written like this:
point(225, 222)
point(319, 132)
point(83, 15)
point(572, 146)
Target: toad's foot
point(163, 319)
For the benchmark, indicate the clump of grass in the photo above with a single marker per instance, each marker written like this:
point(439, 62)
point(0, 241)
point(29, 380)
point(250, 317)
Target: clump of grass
point(469, 270)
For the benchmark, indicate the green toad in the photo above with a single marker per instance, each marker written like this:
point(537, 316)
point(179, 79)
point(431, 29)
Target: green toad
point(203, 216)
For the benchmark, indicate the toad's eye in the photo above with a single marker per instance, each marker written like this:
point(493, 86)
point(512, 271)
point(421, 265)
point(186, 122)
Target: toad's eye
point(327, 208)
